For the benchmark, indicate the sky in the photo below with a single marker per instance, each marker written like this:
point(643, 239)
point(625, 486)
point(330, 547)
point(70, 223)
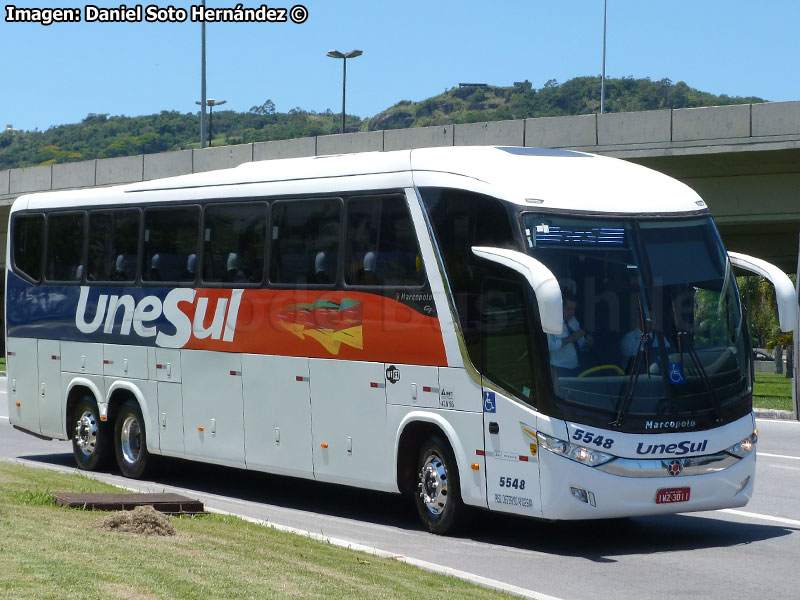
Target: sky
point(58, 74)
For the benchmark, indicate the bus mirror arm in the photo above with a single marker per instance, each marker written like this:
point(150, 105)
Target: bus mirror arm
point(784, 288)
point(541, 279)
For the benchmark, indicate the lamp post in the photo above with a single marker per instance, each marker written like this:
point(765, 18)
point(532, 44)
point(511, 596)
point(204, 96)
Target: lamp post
point(603, 79)
point(202, 102)
point(211, 103)
point(344, 56)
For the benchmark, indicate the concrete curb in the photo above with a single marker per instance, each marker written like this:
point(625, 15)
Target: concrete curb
point(479, 580)
point(771, 413)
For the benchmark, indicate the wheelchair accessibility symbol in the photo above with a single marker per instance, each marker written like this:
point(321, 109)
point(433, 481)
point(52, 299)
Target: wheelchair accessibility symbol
point(489, 402)
point(676, 374)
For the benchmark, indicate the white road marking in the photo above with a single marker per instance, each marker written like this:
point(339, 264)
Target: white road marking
point(749, 515)
point(2, 418)
point(785, 467)
point(787, 421)
point(779, 456)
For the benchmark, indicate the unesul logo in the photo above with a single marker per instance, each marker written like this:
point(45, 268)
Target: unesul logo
point(142, 317)
point(678, 448)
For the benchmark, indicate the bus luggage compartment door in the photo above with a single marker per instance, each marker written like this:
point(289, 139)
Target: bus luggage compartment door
point(51, 406)
point(277, 414)
point(512, 463)
point(348, 407)
point(213, 420)
point(23, 377)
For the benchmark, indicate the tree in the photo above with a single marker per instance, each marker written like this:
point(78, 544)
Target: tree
point(268, 108)
point(758, 297)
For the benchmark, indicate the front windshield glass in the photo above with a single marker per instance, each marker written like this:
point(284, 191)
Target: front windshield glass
point(653, 328)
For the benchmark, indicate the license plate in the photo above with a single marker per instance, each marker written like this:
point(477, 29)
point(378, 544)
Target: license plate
point(669, 495)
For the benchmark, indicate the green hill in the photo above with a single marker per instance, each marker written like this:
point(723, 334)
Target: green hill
point(578, 96)
point(104, 136)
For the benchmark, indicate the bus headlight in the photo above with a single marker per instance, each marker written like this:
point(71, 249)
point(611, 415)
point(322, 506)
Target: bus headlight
point(745, 447)
point(580, 454)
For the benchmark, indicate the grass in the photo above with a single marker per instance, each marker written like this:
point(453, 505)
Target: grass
point(52, 552)
point(772, 391)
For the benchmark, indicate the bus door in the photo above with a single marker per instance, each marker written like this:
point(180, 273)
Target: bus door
point(512, 462)
point(509, 425)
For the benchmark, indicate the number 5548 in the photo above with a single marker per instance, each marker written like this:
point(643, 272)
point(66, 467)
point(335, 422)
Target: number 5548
point(509, 482)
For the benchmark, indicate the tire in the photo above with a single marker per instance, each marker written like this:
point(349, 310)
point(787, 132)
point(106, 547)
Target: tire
point(90, 443)
point(130, 442)
point(438, 492)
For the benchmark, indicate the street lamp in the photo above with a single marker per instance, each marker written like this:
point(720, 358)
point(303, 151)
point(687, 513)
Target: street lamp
point(202, 102)
point(211, 103)
point(344, 56)
point(603, 80)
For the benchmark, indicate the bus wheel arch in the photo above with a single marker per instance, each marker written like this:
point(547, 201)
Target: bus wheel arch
point(412, 437)
point(90, 436)
point(427, 468)
point(130, 435)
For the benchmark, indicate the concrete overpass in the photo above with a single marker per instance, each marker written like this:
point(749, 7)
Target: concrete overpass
point(744, 160)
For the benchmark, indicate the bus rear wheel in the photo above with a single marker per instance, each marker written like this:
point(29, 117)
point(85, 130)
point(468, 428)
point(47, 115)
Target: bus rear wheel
point(438, 492)
point(89, 436)
point(130, 441)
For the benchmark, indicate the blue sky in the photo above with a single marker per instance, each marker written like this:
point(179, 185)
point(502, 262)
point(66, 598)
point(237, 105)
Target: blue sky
point(412, 50)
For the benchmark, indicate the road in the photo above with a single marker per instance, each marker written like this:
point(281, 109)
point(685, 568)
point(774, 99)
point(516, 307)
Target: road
point(753, 552)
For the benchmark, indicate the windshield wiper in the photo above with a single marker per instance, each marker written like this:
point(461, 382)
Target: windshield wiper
point(690, 350)
point(641, 350)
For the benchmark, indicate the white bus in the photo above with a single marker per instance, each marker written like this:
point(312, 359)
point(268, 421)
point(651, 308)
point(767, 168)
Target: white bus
point(540, 332)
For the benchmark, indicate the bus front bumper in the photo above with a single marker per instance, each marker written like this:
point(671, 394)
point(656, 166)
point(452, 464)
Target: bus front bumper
point(570, 490)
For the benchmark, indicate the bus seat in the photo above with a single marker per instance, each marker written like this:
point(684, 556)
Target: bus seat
point(155, 268)
point(321, 274)
point(368, 275)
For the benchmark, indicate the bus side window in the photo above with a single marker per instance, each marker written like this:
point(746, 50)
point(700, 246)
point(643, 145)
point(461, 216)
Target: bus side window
point(234, 241)
point(506, 334)
point(28, 242)
point(305, 241)
point(64, 253)
point(113, 245)
point(382, 246)
point(170, 240)
point(460, 221)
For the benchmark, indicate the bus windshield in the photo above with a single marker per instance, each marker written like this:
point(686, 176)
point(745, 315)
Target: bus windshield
point(653, 334)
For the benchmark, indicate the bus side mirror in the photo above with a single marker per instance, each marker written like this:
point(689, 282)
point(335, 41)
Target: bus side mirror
point(784, 288)
point(541, 279)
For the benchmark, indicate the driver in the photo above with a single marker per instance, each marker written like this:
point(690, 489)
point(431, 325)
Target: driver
point(564, 346)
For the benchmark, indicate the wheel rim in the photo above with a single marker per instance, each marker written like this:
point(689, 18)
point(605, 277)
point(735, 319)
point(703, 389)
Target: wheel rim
point(86, 433)
point(130, 440)
point(433, 484)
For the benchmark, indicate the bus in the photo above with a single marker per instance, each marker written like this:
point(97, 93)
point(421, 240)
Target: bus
point(546, 333)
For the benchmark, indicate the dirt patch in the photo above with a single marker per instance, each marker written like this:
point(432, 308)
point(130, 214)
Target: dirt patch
point(144, 520)
point(119, 590)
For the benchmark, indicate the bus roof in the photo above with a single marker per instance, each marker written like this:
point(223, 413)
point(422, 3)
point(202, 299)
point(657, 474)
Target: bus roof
point(547, 178)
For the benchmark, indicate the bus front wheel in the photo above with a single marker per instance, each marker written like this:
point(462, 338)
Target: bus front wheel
point(89, 443)
point(438, 492)
point(130, 441)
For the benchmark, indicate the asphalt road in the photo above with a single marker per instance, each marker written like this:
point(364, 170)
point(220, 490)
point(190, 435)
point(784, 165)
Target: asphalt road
point(750, 553)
